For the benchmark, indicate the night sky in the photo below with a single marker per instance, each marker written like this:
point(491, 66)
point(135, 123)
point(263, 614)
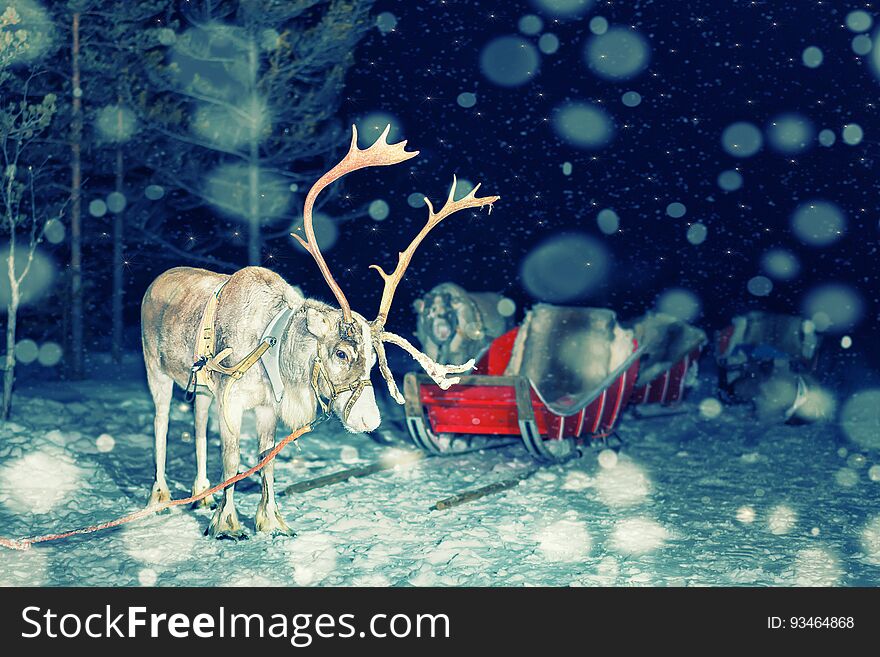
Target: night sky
point(711, 65)
point(580, 209)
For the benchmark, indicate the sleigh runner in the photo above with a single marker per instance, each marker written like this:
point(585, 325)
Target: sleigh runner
point(561, 378)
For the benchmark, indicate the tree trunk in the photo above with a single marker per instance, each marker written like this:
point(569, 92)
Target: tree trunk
point(11, 319)
point(254, 237)
point(118, 263)
point(9, 365)
point(12, 306)
point(75, 362)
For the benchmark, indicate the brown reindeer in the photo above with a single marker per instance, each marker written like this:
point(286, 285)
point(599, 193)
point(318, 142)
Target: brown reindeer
point(313, 354)
point(454, 325)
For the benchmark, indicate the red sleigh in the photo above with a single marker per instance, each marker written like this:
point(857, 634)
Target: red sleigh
point(669, 363)
point(502, 399)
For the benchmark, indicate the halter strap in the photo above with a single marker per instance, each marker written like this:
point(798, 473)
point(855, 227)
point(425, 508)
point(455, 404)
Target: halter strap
point(319, 371)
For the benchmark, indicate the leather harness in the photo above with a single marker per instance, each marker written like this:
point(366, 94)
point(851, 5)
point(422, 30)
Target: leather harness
point(268, 351)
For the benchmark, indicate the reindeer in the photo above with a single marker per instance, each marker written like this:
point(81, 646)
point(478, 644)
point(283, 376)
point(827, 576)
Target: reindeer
point(453, 324)
point(316, 354)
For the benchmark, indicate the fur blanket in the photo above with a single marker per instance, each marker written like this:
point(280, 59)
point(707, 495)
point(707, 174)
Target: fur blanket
point(568, 354)
point(666, 341)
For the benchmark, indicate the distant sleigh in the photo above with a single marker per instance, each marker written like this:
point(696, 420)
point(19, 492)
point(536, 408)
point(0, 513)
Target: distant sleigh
point(559, 380)
point(669, 362)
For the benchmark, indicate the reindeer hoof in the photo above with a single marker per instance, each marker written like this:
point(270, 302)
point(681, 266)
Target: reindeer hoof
point(272, 523)
point(205, 502)
point(225, 524)
point(228, 535)
point(158, 495)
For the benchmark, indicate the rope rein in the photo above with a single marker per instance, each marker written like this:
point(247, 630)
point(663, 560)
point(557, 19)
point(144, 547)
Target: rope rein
point(26, 543)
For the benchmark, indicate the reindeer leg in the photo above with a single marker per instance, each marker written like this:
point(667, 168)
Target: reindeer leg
point(225, 523)
point(161, 387)
point(201, 484)
point(268, 516)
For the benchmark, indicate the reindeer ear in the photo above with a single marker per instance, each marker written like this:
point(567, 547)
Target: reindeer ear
point(419, 305)
point(317, 324)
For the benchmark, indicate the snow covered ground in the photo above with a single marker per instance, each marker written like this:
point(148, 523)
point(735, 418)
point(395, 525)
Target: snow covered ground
point(690, 501)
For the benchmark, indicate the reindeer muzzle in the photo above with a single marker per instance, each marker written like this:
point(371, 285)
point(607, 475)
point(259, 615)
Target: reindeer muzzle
point(356, 389)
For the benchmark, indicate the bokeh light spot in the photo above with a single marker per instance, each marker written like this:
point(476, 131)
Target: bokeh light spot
point(697, 233)
point(790, 133)
point(631, 98)
point(530, 24)
point(565, 268)
point(563, 8)
point(780, 264)
point(676, 210)
point(583, 125)
point(378, 210)
point(466, 99)
point(598, 25)
point(548, 43)
point(818, 223)
point(618, 54)
point(859, 21)
point(742, 139)
point(730, 180)
point(509, 61)
point(760, 286)
point(833, 307)
point(608, 221)
point(680, 303)
point(852, 134)
point(812, 57)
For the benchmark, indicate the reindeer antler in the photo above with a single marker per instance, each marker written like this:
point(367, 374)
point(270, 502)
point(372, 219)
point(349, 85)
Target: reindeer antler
point(381, 153)
point(403, 259)
point(436, 371)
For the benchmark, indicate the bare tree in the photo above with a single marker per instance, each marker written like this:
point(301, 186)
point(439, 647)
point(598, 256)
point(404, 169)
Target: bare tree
point(21, 122)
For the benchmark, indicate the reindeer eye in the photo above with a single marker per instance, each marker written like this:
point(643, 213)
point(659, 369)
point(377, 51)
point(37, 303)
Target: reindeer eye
point(341, 355)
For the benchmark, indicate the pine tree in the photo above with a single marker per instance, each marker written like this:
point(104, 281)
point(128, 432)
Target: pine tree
point(247, 91)
point(115, 35)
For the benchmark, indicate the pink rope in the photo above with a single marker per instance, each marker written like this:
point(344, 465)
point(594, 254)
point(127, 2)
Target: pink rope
point(25, 543)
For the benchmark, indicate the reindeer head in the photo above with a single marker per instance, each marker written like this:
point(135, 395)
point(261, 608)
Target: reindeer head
point(340, 371)
point(362, 341)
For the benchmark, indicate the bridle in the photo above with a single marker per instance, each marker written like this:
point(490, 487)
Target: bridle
point(318, 371)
